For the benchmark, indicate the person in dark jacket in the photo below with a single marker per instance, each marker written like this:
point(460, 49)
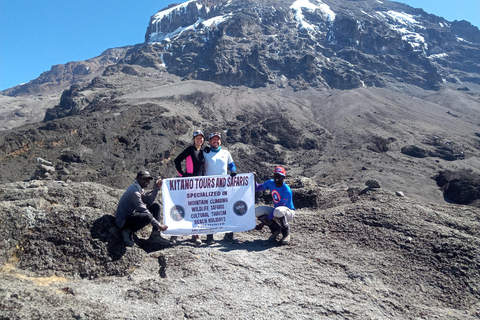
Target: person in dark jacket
point(136, 209)
point(193, 157)
point(194, 167)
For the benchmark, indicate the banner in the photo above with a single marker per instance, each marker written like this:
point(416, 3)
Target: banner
point(208, 204)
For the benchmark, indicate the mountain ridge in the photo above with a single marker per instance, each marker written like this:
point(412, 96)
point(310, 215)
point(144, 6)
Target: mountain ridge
point(382, 156)
point(458, 40)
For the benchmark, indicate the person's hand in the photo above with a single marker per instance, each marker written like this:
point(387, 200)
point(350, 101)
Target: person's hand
point(233, 174)
point(162, 227)
point(158, 183)
point(207, 149)
point(254, 176)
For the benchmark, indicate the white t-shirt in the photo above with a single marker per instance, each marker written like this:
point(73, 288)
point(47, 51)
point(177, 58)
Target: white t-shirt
point(216, 163)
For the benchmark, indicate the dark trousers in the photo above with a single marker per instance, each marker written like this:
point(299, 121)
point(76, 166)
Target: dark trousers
point(137, 220)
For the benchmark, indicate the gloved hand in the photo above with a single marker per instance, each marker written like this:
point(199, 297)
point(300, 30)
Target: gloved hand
point(233, 174)
point(207, 149)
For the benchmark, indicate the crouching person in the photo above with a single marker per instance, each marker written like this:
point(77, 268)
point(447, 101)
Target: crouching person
point(136, 209)
point(276, 218)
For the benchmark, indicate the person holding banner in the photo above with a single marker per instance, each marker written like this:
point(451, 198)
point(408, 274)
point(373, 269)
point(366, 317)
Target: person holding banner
point(194, 167)
point(193, 156)
point(136, 209)
point(283, 210)
point(217, 162)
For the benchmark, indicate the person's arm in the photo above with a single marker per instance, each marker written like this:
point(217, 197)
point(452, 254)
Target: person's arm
point(138, 202)
point(178, 161)
point(140, 206)
point(259, 187)
point(289, 200)
point(231, 165)
point(150, 197)
point(233, 169)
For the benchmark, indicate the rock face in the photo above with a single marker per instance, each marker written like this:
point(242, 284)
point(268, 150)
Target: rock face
point(322, 44)
point(62, 76)
point(364, 254)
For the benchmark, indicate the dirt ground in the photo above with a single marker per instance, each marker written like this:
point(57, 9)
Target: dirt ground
point(365, 254)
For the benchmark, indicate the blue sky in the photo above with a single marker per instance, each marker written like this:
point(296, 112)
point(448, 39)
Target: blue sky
point(36, 34)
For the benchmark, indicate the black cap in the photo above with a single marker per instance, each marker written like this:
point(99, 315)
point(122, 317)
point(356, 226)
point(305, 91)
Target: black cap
point(144, 174)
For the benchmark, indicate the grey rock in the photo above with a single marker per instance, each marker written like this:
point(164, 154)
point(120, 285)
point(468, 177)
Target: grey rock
point(44, 162)
point(415, 151)
point(373, 183)
point(63, 258)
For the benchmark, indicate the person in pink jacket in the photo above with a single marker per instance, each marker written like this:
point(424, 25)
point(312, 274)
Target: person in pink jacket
point(194, 166)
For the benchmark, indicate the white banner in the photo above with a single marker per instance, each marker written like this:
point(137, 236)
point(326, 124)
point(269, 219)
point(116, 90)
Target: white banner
point(208, 204)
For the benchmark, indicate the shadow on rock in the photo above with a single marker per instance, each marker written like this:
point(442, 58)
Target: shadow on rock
point(148, 245)
point(249, 246)
point(162, 262)
point(105, 230)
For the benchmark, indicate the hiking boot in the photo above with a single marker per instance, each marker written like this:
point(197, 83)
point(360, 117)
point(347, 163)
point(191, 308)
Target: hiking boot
point(274, 236)
point(210, 239)
point(156, 236)
point(173, 240)
point(196, 240)
point(285, 231)
point(285, 239)
point(127, 237)
point(229, 237)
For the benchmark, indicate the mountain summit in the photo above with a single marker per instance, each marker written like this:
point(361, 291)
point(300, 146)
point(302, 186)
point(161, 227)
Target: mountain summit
point(299, 44)
point(311, 43)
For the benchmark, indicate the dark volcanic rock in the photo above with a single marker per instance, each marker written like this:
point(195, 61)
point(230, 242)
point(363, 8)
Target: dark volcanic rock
point(415, 151)
point(68, 105)
point(460, 186)
point(62, 258)
point(76, 237)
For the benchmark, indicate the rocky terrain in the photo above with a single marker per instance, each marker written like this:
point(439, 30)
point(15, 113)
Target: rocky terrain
point(340, 93)
point(357, 253)
point(337, 138)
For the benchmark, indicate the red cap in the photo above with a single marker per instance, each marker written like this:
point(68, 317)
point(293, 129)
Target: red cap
point(280, 170)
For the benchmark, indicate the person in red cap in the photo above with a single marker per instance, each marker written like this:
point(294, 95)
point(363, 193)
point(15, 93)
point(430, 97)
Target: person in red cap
point(136, 209)
point(276, 218)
